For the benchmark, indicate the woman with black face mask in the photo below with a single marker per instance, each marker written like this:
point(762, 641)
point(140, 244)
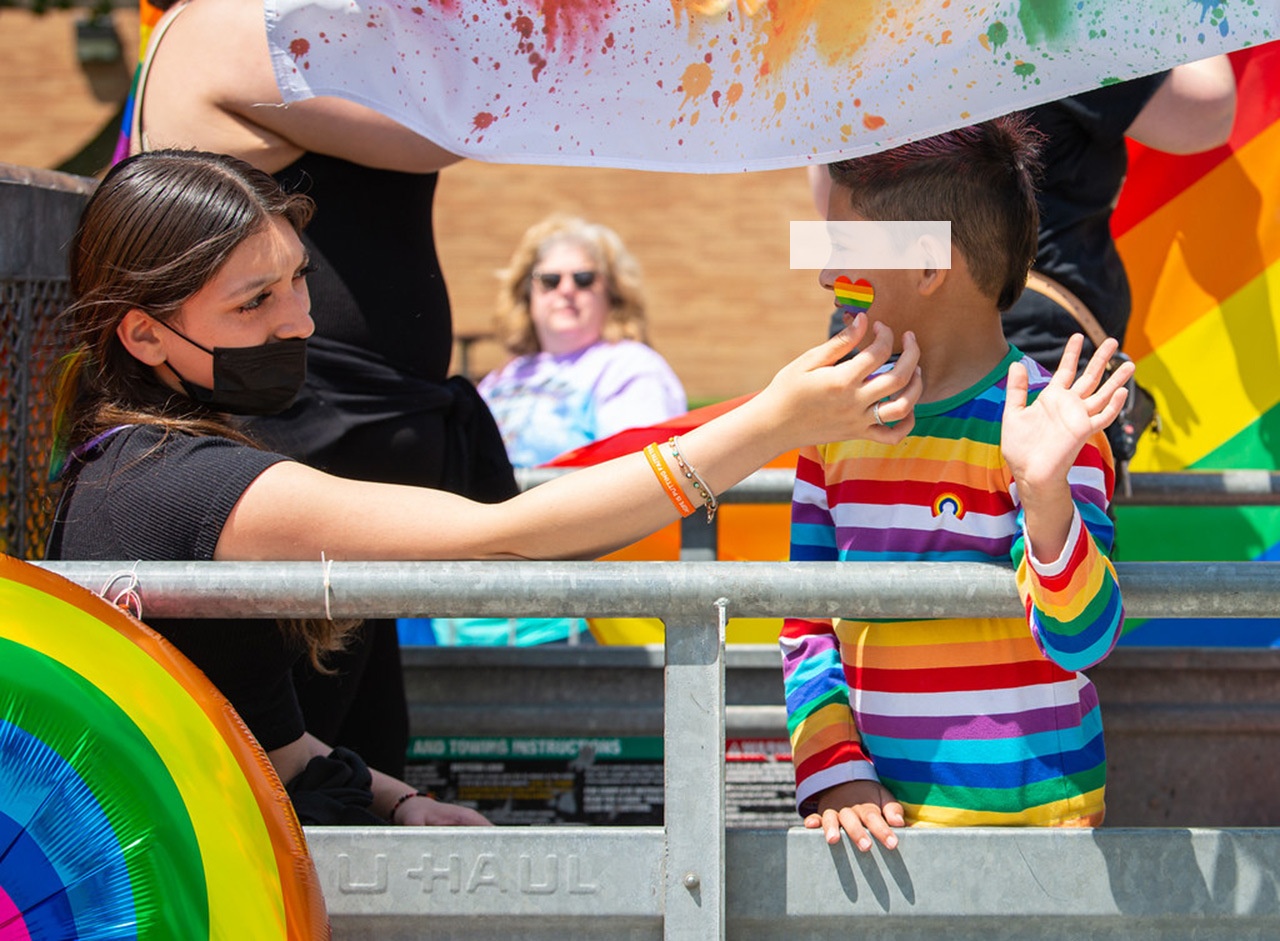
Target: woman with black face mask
point(190, 301)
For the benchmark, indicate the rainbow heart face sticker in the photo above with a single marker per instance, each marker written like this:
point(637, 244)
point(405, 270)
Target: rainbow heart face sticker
point(854, 296)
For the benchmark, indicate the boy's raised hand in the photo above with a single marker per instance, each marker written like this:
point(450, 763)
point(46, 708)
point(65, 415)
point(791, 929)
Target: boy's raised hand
point(863, 809)
point(1040, 441)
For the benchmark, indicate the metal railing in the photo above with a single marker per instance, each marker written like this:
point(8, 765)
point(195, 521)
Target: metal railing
point(1162, 488)
point(691, 878)
point(684, 590)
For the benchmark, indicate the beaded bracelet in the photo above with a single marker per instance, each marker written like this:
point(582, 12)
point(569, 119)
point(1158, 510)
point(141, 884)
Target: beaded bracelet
point(699, 484)
point(669, 484)
point(391, 816)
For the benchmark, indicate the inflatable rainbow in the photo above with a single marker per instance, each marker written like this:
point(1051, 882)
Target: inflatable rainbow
point(133, 801)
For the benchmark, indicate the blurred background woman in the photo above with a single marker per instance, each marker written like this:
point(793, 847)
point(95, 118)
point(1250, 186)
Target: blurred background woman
point(571, 312)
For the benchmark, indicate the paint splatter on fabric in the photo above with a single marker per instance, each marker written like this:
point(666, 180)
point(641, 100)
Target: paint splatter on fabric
point(726, 85)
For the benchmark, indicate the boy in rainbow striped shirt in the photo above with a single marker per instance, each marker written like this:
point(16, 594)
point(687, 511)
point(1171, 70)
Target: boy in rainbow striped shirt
point(953, 722)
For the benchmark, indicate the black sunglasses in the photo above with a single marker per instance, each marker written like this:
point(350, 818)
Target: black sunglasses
point(550, 280)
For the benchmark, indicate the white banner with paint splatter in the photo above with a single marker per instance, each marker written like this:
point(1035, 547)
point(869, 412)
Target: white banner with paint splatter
point(727, 85)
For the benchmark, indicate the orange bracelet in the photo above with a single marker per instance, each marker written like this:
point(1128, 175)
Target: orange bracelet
point(669, 484)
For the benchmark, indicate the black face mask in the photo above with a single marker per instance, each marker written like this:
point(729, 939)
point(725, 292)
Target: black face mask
point(250, 380)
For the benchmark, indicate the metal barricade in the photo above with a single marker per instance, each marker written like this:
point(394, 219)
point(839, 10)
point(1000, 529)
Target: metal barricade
point(690, 879)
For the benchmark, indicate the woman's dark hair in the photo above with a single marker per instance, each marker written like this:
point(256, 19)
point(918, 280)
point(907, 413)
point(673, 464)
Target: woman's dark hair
point(980, 178)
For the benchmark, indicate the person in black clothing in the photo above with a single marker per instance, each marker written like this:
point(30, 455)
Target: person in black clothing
point(1078, 281)
point(190, 305)
point(1188, 109)
point(378, 403)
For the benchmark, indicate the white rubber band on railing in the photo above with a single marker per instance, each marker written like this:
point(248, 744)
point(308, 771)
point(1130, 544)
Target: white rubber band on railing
point(127, 597)
point(325, 566)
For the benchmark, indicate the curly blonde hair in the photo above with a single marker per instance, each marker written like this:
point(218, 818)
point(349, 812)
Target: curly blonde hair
point(621, 271)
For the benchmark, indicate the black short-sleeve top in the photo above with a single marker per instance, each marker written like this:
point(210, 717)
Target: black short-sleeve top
point(151, 495)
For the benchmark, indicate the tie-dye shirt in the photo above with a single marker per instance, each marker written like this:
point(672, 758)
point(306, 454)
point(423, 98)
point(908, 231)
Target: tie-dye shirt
point(548, 403)
point(967, 721)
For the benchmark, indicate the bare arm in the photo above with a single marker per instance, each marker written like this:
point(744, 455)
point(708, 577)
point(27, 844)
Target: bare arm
point(212, 87)
point(294, 512)
point(1193, 110)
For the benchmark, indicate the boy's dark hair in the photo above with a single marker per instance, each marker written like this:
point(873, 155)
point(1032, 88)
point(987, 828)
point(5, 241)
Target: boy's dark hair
point(980, 178)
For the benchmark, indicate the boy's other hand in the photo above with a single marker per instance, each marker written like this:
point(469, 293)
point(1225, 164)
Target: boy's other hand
point(1040, 441)
point(863, 809)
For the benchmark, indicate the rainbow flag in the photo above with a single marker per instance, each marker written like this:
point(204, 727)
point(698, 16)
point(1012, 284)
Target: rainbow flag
point(1200, 237)
point(148, 16)
point(727, 85)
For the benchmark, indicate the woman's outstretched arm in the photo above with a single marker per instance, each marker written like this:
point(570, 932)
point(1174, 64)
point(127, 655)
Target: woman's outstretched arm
point(295, 512)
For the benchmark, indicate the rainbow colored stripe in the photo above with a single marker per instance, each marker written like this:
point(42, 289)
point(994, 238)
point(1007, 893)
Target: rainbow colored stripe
point(853, 295)
point(148, 16)
point(1200, 237)
point(131, 794)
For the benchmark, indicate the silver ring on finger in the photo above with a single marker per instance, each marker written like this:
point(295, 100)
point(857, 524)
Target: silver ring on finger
point(875, 412)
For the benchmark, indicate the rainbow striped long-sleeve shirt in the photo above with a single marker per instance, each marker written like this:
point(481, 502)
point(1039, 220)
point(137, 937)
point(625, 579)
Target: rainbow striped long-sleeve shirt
point(967, 722)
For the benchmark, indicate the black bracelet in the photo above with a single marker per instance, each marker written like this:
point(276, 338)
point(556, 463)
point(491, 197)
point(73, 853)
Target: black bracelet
point(391, 816)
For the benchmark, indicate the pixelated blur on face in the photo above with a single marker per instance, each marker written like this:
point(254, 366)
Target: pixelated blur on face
point(569, 316)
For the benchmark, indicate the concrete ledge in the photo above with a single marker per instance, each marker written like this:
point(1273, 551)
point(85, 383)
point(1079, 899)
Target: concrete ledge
point(981, 884)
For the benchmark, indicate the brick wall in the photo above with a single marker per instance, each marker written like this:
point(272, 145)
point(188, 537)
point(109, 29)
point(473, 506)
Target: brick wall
point(51, 106)
point(725, 309)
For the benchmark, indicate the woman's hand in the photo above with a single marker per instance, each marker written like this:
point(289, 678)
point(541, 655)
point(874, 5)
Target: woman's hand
point(423, 811)
point(819, 399)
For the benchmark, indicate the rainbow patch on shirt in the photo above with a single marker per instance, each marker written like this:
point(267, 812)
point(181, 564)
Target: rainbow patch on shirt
point(853, 296)
point(949, 503)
